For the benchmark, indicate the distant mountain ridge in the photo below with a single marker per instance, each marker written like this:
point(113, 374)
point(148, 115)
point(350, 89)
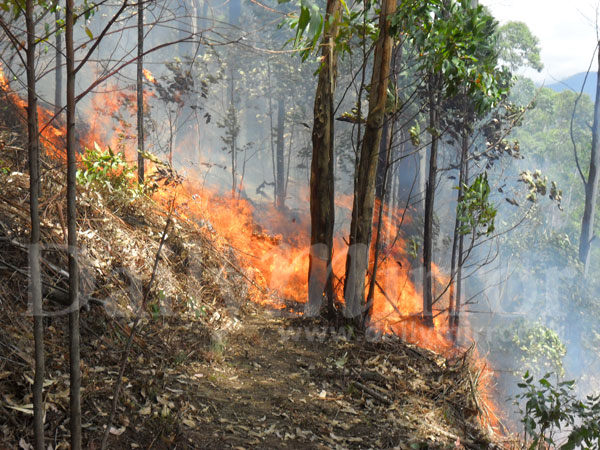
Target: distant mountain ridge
point(574, 83)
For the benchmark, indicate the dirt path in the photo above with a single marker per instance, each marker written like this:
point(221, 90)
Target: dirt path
point(261, 382)
point(274, 387)
point(271, 383)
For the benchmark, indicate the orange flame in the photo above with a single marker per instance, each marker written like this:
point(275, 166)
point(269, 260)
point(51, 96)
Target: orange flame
point(148, 75)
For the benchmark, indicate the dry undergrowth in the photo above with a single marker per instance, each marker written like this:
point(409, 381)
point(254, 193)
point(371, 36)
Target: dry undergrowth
point(209, 369)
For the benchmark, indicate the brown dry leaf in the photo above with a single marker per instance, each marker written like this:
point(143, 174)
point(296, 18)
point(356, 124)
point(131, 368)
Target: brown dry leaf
point(23, 444)
point(25, 409)
point(189, 423)
point(335, 437)
point(117, 431)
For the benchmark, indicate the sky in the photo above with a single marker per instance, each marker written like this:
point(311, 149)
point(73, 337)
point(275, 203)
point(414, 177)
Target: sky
point(566, 30)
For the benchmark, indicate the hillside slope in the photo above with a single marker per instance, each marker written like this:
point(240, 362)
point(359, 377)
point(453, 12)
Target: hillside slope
point(574, 83)
point(210, 368)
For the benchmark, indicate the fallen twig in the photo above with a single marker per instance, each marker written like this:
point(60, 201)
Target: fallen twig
point(372, 393)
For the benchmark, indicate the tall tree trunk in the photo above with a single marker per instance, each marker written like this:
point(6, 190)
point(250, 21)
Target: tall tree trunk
point(280, 158)
point(454, 300)
point(381, 198)
point(322, 213)
point(591, 187)
point(233, 138)
point(381, 164)
point(34, 238)
point(362, 218)
point(58, 69)
point(289, 163)
point(459, 279)
point(140, 90)
point(271, 137)
point(429, 201)
point(74, 361)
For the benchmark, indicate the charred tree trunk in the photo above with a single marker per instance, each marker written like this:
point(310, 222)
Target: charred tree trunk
point(140, 90)
point(58, 68)
point(35, 290)
point(357, 261)
point(280, 157)
point(322, 214)
point(429, 201)
point(74, 358)
point(591, 187)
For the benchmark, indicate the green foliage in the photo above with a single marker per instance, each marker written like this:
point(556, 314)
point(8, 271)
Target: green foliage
point(540, 348)
point(109, 172)
point(476, 213)
point(551, 408)
point(86, 10)
point(458, 42)
point(518, 47)
point(310, 24)
point(231, 125)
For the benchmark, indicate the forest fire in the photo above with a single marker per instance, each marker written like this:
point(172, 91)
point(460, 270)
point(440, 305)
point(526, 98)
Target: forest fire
point(148, 75)
point(276, 263)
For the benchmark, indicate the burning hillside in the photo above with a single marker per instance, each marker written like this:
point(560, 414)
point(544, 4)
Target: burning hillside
point(222, 252)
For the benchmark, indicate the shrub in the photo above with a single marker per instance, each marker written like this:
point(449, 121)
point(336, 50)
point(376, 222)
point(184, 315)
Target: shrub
point(549, 409)
point(108, 171)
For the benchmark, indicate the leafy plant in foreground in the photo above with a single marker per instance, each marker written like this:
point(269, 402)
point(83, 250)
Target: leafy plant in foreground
point(551, 408)
point(108, 171)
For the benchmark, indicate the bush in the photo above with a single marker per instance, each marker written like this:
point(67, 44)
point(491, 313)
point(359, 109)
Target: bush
point(551, 408)
point(108, 171)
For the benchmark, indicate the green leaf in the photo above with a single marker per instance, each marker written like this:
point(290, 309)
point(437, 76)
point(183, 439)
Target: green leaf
point(89, 33)
point(302, 23)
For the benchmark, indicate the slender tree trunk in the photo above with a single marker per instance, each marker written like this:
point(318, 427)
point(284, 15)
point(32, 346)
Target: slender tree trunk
point(233, 139)
point(74, 360)
point(461, 261)
point(591, 187)
point(271, 140)
point(280, 158)
point(429, 201)
point(322, 214)
point(140, 90)
point(289, 163)
point(34, 238)
point(383, 157)
point(387, 139)
point(362, 219)
point(58, 69)
point(454, 301)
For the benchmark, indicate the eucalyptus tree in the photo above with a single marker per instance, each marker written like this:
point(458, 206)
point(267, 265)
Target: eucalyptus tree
point(450, 37)
point(311, 26)
point(322, 213)
point(140, 90)
point(27, 54)
point(357, 261)
point(591, 184)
